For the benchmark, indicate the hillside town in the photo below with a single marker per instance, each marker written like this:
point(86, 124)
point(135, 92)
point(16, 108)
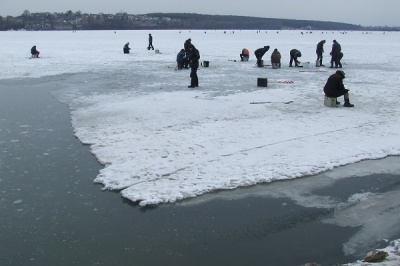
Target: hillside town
point(46, 21)
point(80, 21)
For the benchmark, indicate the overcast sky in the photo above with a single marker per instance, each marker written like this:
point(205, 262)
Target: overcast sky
point(363, 12)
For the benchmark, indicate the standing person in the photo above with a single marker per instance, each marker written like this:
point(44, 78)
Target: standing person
point(294, 54)
point(150, 42)
point(181, 59)
point(126, 48)
point(194, 65)
point(259, 53)
point(336, 54)
point(320, 51)
point(334, 88)
point(34, 52)
point(186, 45)
point(244, 56)
point(276, 59)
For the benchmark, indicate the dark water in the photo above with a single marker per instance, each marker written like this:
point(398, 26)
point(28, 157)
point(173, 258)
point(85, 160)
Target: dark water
point(51, 213)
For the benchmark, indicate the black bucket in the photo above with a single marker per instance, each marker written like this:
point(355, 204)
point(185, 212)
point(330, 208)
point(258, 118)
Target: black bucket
point(262, 82)
point(206, 63)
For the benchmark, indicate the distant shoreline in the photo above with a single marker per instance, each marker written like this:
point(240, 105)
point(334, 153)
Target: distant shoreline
point(69, 20)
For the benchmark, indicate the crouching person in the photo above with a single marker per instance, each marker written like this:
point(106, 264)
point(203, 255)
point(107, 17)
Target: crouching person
point(276, 59)
point(244, 56)
point(34, 52)
point(334, 88)
point(181, 59)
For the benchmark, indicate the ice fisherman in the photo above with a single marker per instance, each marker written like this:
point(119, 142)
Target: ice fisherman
point(126, 48)
point(186, 45)
point(34, 52)
point(182, 60)
point(150, 42)
point(276, 58)
point(259, 53)
point(320, 51)
point(336, 54)
point(194, 57)
point(294, 54)
point(244, 56)
point(334, 88)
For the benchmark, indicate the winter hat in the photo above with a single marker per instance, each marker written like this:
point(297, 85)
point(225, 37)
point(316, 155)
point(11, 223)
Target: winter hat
point(267, 47)
point(340, 73)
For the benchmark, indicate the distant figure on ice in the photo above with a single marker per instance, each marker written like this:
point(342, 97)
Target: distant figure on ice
point(294, 54)
point(34, 52)
point(319, 51)
point(276, 59)
point(334, 88)
point(181, 59)
point(336, 54)
point(126, 48)
point(244, 56)
point(150, 42)
point(194, 65)
point(259, 53)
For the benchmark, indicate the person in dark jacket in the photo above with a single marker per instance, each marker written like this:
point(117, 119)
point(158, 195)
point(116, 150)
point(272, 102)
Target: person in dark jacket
point(320, 51)
point(181, 59)
point(334, 88)
point(244, 56)
point(186, 45)
point(276, 58)
point(194, 65)
point(294, 54)
point(34, 52)
point(150, 42)
point(259, 53)
point(336, 54)
point(126, 48)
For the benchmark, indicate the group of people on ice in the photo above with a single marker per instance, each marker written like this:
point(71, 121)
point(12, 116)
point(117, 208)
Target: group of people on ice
point(336, 56)
point(334, 86)
point(189, 57)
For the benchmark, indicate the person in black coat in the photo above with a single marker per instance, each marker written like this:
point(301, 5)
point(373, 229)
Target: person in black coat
point(320, 51)
point(334, 88)
point(259, 53)
point(150, 42)
point(294, 54)
point(186, 45)
point(181, 59)
point(34, 52)
point(194, 65)
point(126, 48)
point(336, 54)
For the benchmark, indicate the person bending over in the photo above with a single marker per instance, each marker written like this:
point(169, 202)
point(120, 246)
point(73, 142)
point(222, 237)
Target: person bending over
point(259, 53)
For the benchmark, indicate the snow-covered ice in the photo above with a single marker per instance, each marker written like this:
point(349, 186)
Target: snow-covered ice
point(160, 141)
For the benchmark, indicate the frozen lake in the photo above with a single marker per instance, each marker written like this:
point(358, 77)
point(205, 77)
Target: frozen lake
point(161, 142)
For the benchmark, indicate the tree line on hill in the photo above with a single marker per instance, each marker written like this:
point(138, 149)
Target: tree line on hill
point(165, 21)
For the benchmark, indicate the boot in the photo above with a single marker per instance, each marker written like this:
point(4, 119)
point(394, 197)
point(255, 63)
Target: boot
point(347, 103)
point(331, 65)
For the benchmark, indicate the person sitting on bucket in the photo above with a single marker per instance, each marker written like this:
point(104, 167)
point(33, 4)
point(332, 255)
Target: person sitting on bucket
point(259, 53)
point(276, 58)
point(334, 88)
point(294, 54)
point(34, 52)
point(244, 56)
point(126, 48)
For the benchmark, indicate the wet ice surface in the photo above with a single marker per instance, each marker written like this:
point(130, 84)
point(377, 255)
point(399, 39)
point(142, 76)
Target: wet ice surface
point(161, 142)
